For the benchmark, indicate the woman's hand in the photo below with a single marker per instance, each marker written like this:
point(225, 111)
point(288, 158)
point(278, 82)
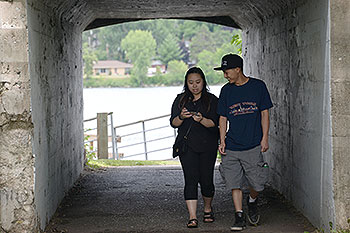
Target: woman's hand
point(197, 116)
point(206, 122)
point(184, 114)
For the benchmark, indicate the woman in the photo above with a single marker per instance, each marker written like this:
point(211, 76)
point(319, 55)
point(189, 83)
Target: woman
point(195, 107)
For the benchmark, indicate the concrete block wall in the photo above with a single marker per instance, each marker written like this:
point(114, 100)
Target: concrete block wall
point(16, 160)
point(57, 104)
point(292, 53)
point(340, 95)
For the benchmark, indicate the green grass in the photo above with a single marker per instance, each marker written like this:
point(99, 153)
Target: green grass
point(107, 82)
point(117, 163)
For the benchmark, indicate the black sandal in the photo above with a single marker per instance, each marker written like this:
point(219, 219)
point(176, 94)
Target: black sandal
point(208, 217)
point(193, 223)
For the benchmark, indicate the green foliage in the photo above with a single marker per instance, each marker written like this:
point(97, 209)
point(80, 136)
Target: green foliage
point(157, 79)
point(176, 73)
point(107, 82)
point(169, 50)
point(237, 40)
point(189, 29)
point(163, 39)
point(89, 57)
point(140, 48)
point(208, 60)
point(209, 40)
point(90, 155)
point(203, 40)
point(335, 230)
point(163, 28)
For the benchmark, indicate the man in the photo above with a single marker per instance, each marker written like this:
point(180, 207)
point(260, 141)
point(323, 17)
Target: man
point(244, 102)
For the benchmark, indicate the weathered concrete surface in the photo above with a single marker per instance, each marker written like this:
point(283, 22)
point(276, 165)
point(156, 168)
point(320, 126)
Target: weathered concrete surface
point(340, 110)
point(298, 46)
point(150, 199)
point(16, 160)
point(57, 104)
point(291, 51)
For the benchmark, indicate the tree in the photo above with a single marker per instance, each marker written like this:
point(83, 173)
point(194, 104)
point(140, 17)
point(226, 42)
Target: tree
point(237, 41)
point(208, 60)
point(139, 47)
point(169, 50)
point(203, 40)
point(188, 29)
point(110, 38)
point(163, 28)
point(89, 57)
point(176, 72)
point(199, 42)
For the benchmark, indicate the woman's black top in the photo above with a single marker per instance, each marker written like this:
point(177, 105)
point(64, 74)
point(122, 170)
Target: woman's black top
point(200, 138)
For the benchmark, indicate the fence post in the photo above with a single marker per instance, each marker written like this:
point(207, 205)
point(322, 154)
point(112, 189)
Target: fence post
point(113, 135)
point(144, 138)
point(116, 143)
point(102, 136)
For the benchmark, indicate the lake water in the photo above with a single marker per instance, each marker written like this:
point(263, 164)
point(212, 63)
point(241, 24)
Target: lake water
point(135, 104)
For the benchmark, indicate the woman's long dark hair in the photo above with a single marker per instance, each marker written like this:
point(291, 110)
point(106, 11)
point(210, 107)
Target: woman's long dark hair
point(187, 94)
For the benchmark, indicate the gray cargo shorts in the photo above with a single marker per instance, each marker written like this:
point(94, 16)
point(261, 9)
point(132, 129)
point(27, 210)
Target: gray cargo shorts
point(240, 165)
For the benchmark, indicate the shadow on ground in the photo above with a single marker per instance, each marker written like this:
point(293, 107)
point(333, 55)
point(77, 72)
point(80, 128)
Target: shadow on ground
point(150, 199)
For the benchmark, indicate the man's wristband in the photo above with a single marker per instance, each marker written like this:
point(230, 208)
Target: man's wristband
point(181, 118)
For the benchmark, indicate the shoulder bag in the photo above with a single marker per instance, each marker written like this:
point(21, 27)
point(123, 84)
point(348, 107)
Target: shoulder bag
point(180, 146)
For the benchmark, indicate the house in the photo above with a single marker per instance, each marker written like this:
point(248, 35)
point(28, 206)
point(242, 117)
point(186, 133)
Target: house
point(112, 68)
point(156, 64)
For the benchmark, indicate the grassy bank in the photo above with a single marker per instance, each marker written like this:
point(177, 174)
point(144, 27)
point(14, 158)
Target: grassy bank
point(107, 82)
point(117, 163)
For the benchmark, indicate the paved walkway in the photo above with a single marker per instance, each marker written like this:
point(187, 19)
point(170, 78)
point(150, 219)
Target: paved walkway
point(150, 199)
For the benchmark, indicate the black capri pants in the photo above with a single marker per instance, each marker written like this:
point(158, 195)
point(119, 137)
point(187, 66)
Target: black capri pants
point(198, 167)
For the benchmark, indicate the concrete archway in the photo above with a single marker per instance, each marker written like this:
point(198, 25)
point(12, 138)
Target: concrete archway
point(299, 47)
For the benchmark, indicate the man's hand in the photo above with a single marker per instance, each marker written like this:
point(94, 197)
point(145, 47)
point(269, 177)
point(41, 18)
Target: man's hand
point(222, 148)
point(222, 129)
point(264, 144)
point(265, 124)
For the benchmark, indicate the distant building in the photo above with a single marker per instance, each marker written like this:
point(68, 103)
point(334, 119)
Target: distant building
point(156, 64)
point(112, 68)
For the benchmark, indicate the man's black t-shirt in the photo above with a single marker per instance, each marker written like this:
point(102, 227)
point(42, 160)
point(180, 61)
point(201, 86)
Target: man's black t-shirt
point(242, 105)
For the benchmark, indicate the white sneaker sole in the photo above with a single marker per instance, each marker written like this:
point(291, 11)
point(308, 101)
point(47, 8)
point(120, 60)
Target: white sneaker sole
point(237, 228)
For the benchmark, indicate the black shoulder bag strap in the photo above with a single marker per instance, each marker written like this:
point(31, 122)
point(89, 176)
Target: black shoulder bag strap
point(189, 128)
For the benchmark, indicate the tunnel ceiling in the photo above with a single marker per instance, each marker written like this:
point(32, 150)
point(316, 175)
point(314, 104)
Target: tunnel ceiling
point(235, 13)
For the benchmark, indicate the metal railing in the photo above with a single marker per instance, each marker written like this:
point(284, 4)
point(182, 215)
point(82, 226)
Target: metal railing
point(145, 142)
point(116, 140)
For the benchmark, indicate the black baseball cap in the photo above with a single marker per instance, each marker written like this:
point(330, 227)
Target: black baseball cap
point(230, 61)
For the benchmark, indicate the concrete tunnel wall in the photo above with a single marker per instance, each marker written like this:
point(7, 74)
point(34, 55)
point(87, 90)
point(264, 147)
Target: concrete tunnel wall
point(339, 22)
point(301, 55)
point(17, 211)
point(290, 52)
point(289, 49)
point(57, 105)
